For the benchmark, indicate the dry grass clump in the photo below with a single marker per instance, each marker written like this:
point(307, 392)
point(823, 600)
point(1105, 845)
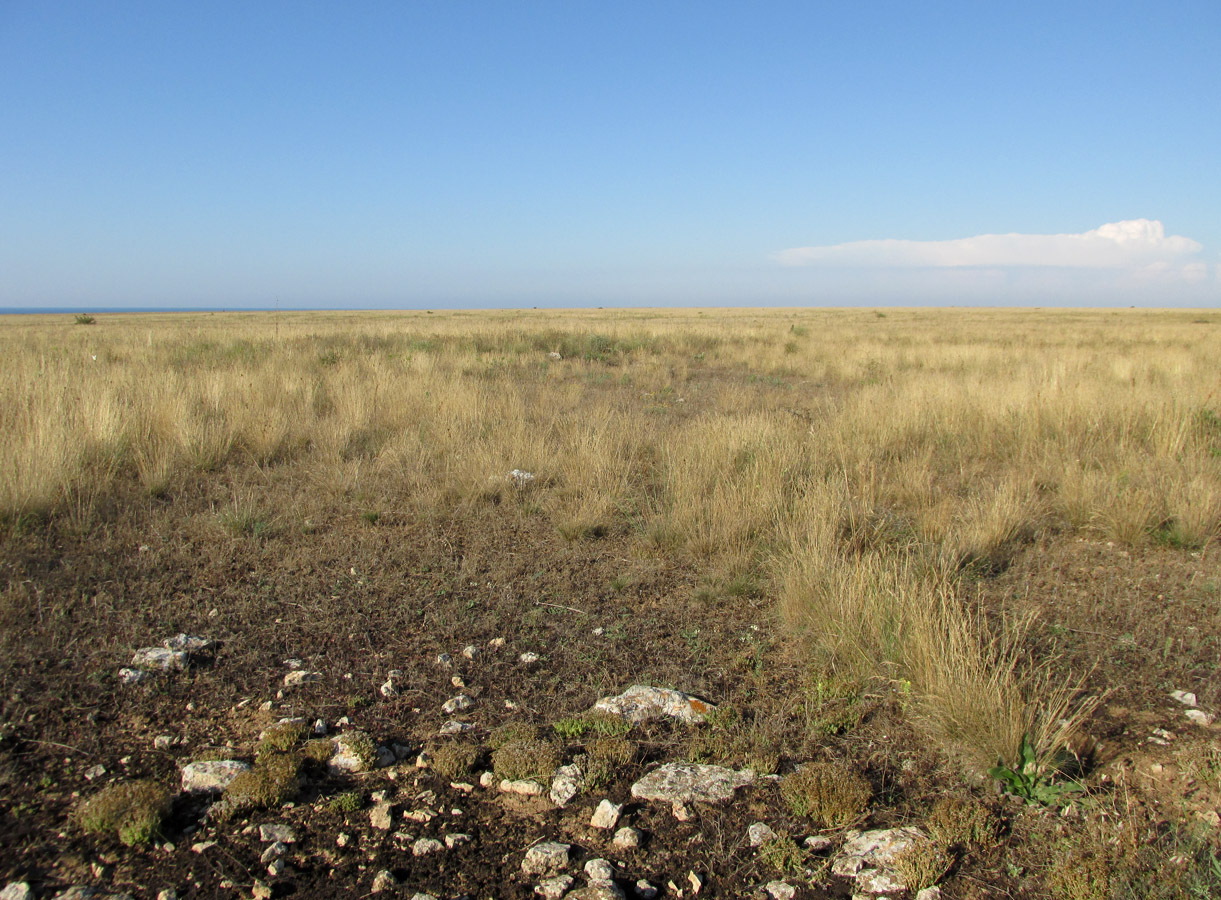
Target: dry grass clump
point(454, 759)
point(133, 810)
point(868, 465)
point(1080, 876)
point(528, 760)
point(923, 864)
point(964, 823)
point(830, 793)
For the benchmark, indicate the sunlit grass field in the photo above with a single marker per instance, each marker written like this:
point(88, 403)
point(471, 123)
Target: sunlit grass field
point(858, 463)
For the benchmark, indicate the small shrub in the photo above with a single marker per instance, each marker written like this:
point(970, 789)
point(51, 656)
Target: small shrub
point(318, 751)
point(511, 733)
point(782, 856)
point(280, 738)
point(273, 780)
point(577, 727)
point(347, 802)
point(454, 759)
point(708, 745)
point(360, 745)
point(959, 822)
point(827, 792)
point(761, 756)
point(132, 809)
point(83, 319)
point(923, 864)
point(605, 757)
point(530, 760)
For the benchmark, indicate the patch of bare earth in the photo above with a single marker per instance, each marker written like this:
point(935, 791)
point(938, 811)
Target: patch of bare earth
point(354, 597)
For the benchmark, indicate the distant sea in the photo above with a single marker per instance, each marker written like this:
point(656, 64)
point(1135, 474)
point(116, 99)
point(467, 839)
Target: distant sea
point(30, 310)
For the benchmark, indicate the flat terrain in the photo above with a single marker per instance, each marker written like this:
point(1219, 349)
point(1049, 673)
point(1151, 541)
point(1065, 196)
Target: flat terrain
point(901, 543)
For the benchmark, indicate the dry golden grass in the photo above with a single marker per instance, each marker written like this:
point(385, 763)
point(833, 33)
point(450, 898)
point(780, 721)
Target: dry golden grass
point(860, 463)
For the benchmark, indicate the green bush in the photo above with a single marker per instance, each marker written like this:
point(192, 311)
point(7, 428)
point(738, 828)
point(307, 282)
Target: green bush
point(132, 809)
point(273, 780)
point(280, 738)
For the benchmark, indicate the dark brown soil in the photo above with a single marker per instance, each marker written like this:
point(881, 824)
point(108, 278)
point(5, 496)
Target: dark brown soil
point(355, 598)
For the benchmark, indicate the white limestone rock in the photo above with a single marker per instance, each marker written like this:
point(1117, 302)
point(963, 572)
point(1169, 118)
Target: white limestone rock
point(384, 881)
point(599, 870)
point(277, 831)
point(682, 782)
point(640, 702)
point(779, 890)
point(566, 784)
point(426, 846)
point(628, 838)
point(188, 643)
point(869, 858)
point(606, 816)
point(554, 888)
point(298, 677)
point(760, 833)
point(159, 659)
point(545, 858)
point(211, 776)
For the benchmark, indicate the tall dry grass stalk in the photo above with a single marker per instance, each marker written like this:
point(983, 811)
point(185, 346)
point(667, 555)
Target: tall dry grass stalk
point(861, 461)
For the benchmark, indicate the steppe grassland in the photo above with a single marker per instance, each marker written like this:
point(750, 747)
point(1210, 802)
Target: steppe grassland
point(856, 463)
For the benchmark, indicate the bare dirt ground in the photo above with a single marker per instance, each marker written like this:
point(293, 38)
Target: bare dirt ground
point(354, 598)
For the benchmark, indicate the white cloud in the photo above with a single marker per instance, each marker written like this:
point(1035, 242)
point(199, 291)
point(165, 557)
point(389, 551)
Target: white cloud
point(1131, 244)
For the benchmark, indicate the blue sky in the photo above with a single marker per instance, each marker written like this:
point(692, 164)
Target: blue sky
point(461, 154)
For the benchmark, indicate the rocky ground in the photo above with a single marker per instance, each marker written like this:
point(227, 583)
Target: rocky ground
point(473, 705)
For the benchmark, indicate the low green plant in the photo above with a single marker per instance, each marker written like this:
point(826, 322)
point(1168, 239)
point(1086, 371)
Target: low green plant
point(782, 856)
point(832, 705)
point(132, 809)
point(242, 519)
point(1031, 780)
point(358, 743)
point(347, 802)
point(318, 751)
point(828, 792)
point(273, 780)
point(280, 738)
point(576, 727)
point(83, 319)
